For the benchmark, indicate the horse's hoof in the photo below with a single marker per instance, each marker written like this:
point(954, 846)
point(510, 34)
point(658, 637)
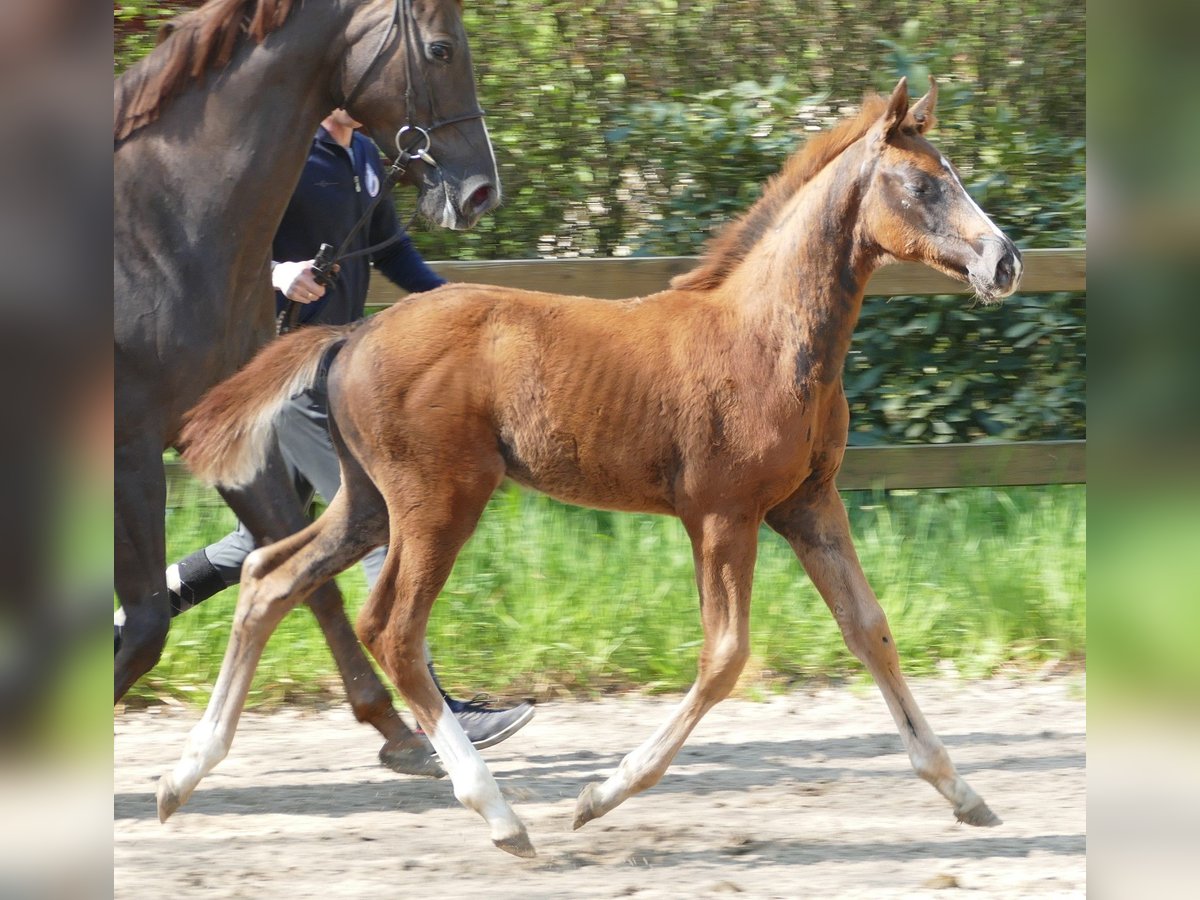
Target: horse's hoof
point(979, 815)
point(585, 807)
point(518, 844)
point(168, 798)
point(415, 758)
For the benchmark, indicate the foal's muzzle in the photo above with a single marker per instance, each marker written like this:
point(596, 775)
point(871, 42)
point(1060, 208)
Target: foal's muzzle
point(997, 270)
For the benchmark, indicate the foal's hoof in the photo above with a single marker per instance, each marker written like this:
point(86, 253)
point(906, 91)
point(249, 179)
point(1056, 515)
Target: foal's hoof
point(585, 807)
point(518, 844)
point(168, 798)
point(979, 815)
point(412, 758)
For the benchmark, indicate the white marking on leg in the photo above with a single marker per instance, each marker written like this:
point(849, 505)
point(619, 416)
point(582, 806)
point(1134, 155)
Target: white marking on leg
point(474, 785)
point(928, 755)
point(201, 753)
point(644, 760)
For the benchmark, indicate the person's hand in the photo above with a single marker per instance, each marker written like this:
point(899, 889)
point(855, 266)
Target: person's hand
point(296, 282)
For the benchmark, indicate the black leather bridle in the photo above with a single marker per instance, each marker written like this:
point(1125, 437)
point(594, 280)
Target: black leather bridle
point(402, 17)
point(327, 257)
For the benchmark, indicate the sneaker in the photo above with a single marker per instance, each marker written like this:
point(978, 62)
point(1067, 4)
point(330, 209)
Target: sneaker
point(486, 725)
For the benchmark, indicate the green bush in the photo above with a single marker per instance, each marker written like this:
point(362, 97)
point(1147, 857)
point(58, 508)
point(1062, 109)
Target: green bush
point(607, 115)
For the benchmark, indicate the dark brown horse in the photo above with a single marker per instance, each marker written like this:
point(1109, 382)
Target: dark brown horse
point(719, 401)
point(211, 131)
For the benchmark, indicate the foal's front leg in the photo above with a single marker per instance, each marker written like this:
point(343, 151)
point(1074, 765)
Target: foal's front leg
point(425, 539)
point(724, 549)
point(815, 524)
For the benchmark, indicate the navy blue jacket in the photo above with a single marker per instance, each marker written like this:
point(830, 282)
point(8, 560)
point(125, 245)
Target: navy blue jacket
point(337, 186)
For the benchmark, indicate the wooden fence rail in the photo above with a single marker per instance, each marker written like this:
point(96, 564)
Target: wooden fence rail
point(963, 465)
point(632, 276)
point(897, 466)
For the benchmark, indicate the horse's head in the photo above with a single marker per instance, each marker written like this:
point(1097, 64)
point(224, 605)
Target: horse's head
point(916, 208)
point(409, 65)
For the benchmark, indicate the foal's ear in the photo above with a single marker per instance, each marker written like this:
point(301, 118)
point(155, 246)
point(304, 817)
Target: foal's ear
point(921, 115)
point(892, 118)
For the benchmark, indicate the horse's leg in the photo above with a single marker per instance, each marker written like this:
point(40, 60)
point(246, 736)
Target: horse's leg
point(270, 509)
point(724, 548)
point(275, 579)
point(814, 522)
point(425, 539)
point(140, 500)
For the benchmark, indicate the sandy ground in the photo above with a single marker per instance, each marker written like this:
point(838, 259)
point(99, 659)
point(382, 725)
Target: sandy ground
point(805, 795)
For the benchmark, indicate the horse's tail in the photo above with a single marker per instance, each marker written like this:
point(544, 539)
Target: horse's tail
point(226, 436)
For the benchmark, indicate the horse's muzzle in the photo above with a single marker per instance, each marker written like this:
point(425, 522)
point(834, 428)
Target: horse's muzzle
point(458, 205)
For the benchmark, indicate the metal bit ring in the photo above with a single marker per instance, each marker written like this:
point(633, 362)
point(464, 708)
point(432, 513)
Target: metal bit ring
point(421, 153)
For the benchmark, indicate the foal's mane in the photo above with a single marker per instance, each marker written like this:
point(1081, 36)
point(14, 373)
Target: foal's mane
point(189, 46)
point(731, 244)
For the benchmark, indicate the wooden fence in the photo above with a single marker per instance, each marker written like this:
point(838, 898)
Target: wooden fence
point(1045, 271)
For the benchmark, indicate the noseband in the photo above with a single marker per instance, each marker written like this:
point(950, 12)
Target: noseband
point(402, 16)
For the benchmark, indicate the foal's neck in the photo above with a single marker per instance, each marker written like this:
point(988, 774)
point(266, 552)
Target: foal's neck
point(803, 285)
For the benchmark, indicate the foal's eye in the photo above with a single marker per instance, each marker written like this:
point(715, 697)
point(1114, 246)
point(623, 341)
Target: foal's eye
point(921, 186)
point(440, 51)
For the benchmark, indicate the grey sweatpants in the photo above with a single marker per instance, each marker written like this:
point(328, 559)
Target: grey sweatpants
point(303, 432)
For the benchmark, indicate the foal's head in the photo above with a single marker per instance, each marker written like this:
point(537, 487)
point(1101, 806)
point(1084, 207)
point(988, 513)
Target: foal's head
point(916, 208)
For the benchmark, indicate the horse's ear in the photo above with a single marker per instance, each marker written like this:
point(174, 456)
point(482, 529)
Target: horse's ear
point(893, 116)
point(921, 115)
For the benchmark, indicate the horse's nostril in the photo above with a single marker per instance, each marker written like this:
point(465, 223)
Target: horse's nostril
point(481, 197)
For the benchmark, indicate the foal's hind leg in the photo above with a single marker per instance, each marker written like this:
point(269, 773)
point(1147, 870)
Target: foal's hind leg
point(724, 548)
point(274, 580)
point(270, 509)
point(816, 526)
point(426, 536)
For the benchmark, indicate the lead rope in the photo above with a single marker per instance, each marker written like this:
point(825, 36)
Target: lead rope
point(327, 258)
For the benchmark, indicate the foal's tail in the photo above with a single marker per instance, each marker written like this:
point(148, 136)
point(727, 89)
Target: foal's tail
point(226, 436)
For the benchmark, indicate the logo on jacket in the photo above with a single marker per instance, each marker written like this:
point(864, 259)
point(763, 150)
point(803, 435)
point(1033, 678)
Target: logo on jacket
point(372, 182)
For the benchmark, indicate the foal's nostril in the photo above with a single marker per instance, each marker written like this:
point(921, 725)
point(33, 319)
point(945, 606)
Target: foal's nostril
point(1009, 268)
point(1005, 270)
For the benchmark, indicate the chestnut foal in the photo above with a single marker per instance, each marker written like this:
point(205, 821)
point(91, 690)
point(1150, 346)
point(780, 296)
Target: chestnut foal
point(718, 401)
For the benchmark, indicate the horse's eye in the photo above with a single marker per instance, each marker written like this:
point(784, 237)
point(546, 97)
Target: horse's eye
point(440, 51)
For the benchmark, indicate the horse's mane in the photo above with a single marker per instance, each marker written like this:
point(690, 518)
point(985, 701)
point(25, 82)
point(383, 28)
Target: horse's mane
point(189, 46)
point(731, 244)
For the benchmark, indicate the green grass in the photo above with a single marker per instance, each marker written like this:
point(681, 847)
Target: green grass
point(548, 599)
